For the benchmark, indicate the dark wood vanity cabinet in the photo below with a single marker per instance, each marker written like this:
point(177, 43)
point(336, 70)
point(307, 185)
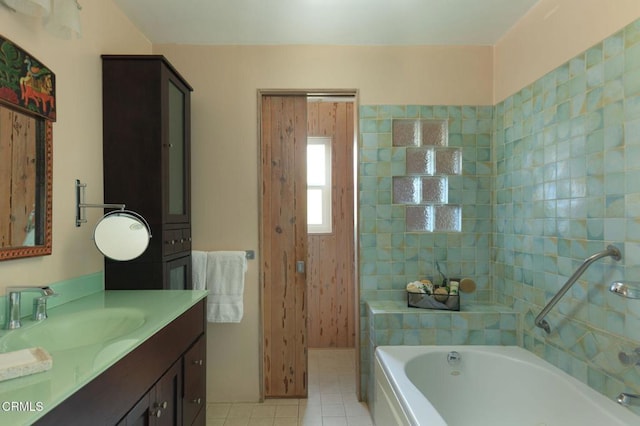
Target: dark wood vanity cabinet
point(162, 382)
point(178, 397)
point(146, 159)
point(161, 406)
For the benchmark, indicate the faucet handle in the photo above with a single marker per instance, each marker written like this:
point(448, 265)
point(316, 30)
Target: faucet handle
point(40, 307)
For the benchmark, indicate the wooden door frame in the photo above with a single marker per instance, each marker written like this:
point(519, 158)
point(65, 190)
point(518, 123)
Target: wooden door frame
point(311, 92)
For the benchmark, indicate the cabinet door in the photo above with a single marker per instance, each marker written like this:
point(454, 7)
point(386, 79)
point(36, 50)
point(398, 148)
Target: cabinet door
point(195, 379)
point(139, 414)
point(177, 153)
point(162, 405)
point(177, 274)
point(166, 408)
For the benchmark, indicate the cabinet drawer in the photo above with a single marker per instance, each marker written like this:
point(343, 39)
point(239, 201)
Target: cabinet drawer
point(186, 239)
point(176, 241)
point(195, 379)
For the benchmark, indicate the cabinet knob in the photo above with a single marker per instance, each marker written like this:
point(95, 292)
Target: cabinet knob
point(197, 401)
point(198, 362)
point(163, 405)
point(181, 240)
point(155, 413)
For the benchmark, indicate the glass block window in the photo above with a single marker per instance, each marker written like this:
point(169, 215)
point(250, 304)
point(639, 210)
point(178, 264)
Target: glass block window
point(420, 161)
point(423, 185)
point(406, 190)
point(319, 185)
point(448, 161)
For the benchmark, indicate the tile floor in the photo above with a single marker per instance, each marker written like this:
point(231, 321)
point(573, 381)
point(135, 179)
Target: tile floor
point(332, 399)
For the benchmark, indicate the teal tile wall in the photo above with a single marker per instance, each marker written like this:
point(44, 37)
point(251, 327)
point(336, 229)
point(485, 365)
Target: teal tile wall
point(567, 183)
point(550, 176)
point(390, 256)
point(394, 324)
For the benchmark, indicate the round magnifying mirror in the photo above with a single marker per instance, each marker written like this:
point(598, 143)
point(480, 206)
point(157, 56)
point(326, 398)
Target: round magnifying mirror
point(122, 235)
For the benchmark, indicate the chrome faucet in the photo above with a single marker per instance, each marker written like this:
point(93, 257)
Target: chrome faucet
point(12, 313)
point(628, 399)
point(453, 358)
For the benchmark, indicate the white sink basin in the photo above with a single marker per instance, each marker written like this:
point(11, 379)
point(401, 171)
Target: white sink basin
point(58, 333)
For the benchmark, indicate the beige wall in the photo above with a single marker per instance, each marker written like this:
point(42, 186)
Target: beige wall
point(553, 32)
point(225, 147)
point(77, 135)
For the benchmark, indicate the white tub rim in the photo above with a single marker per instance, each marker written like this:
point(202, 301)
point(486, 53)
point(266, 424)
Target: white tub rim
point(412, 399)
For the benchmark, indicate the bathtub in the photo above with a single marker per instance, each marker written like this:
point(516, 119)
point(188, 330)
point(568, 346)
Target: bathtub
point(489, 385)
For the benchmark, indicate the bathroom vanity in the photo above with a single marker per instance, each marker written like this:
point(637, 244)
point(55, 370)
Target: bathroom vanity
point(138, 357)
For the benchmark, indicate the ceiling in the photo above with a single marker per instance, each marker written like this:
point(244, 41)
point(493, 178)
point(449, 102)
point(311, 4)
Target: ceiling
point(328, 22)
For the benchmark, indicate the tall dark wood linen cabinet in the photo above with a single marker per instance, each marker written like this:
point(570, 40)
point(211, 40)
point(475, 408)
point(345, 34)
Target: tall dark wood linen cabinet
point(146, 157)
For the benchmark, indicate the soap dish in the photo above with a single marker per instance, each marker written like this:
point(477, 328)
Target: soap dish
point(24, 362)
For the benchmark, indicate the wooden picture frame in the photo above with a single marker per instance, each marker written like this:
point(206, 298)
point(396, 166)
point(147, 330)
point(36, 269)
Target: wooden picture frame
point(27, 111)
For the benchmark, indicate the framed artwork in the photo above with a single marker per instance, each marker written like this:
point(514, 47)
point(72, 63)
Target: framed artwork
point(25, 83)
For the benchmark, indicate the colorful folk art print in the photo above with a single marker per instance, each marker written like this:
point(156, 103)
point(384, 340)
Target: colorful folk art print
point(25, 82)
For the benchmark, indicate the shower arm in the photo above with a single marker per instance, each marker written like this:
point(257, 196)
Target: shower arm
point(610, 251)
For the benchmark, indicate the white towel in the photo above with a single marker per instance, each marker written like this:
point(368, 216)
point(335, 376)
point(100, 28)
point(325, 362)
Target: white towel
point(225, 282)
point(199, 270)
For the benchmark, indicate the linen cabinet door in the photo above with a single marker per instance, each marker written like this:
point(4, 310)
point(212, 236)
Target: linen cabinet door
point(176, 151)
point(177, 274)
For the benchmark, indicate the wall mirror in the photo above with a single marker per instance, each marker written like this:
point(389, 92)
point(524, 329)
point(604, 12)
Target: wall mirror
point(27, 110)
point(122, 235)
point(25, 185)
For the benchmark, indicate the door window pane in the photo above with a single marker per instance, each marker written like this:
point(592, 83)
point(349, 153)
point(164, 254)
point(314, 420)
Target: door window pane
point(314, 206)
point(319, 185)
point(316, 164)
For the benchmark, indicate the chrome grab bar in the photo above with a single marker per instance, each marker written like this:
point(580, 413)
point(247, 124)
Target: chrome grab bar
point(610, 251)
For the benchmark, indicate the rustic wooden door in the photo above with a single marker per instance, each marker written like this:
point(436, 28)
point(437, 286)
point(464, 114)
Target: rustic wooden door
point(330, 272)
point(284, 245)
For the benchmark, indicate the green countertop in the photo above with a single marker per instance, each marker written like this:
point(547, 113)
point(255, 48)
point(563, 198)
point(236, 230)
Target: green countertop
point(25, 399)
